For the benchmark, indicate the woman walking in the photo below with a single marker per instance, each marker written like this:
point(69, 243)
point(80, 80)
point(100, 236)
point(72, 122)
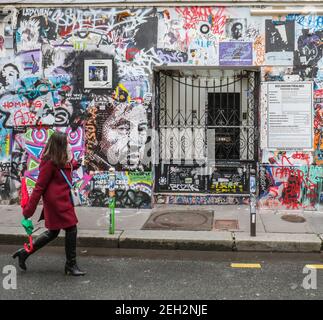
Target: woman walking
point(58, 210)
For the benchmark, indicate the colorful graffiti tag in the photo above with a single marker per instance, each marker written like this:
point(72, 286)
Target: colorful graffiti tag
point(290, 187)
point(133, 189)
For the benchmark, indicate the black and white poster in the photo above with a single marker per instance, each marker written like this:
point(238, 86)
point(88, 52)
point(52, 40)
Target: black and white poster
point(308, 54)
point(280, 42)
point(235, 29)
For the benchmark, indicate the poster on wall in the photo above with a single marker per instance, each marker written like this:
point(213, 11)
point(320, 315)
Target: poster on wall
point(98, 74)
point(280, 42)
point(235, 53)
point(290, 115)
point(235, 29)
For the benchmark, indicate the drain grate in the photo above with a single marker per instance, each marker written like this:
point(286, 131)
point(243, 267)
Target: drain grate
point(293, 218)
point(226, 225)
point(197, 220)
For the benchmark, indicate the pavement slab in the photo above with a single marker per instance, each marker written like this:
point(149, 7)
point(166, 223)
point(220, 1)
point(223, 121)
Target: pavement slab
point(316, 223)
point(274, 224)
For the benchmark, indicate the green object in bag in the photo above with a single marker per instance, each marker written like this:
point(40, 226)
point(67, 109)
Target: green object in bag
point(28, 225)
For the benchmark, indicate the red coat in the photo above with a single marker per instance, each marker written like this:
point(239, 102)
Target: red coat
point(58, 211)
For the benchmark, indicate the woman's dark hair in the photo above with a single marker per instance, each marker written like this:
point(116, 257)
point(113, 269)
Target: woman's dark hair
point(56, 149)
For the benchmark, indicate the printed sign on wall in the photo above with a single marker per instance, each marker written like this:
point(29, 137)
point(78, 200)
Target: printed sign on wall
point(235, 53)
point(290, 115)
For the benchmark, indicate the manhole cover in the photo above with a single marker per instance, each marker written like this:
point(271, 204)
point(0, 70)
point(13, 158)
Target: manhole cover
point(226, 225)
point(293, 218)
point(180, 220)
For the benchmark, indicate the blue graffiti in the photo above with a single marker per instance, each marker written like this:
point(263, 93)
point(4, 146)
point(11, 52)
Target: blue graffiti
point(309, 21)
point(31, 89)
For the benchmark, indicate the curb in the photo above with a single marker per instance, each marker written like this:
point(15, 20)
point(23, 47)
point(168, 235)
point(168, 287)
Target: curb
point(86, 238)
point(183, 240)
point(278, 242)
point(179, 240)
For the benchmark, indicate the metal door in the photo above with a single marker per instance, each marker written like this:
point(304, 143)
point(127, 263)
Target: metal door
point(207, 126)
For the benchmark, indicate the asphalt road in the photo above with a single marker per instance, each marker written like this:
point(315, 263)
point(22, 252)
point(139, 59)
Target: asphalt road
point(145, 274)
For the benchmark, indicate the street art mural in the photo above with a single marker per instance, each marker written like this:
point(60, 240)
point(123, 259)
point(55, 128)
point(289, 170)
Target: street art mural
point(120, 134)
point(290, 187)
point(43, 89)
point(28, 148)
point(133, 189)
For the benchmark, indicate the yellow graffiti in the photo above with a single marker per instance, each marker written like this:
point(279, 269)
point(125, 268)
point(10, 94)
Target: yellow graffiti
point(122, 94)
point(8, 144)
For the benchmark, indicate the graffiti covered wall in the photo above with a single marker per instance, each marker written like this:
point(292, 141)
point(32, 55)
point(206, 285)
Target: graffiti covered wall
point(89, 73)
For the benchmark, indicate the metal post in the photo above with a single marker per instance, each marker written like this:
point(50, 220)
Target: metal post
point(112, 199)
point(252, 215)
point(253, 199)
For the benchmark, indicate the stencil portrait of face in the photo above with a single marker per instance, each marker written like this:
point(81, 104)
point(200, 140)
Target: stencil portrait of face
point(236, 30)
point(124, 135)
point(9, 75)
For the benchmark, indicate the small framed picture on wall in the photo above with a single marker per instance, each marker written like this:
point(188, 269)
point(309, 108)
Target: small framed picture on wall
point(98, 74)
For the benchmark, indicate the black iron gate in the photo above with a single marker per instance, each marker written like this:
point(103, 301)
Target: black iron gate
point(207, 125)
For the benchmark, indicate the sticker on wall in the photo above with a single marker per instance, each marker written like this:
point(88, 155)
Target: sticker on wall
point(207, 54)
point(235, 54)
point(98, 74)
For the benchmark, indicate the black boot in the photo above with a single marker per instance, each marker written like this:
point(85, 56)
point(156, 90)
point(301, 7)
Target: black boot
point(22, 255)
point(38, 243)
point(71, 267)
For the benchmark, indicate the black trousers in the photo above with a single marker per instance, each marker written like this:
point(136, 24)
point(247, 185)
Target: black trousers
point(70, 242)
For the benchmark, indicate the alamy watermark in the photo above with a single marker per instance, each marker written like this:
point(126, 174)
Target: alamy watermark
point(310, 280)
point(9, 281)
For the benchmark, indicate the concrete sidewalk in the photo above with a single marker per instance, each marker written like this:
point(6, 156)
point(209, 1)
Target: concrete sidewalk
point(273, 233)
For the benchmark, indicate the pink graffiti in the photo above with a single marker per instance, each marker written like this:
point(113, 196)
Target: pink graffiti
point(292, 187)
point(130, 53)
point(1, 42)
point(15, 104)
point(285, 160)
point(318, 93)
point(194, 15)
point(272, 160)
point(302, 156)
point(24, 118)
point(291, 192)
point(286, 172)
